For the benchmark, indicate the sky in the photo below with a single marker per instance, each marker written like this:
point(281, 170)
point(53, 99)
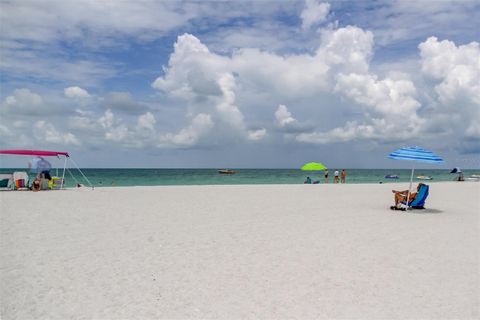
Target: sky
point(240, 84)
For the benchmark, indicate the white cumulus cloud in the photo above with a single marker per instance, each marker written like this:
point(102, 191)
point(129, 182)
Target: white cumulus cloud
point(76, 92)
point(47, 132)
point(314, 12)
point(456, 67)
point(24, 101)
point(115, 130)
point(256, 135)
point(283, 116)
point(205, 79)
point(146, 121)
point(455, 71)
point(347, 49)
point(386, 97)
point(189, 136)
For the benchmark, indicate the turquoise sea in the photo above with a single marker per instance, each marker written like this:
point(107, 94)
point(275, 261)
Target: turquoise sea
point(153, 177)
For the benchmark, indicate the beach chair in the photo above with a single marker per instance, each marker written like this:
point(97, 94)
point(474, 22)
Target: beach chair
point(20, 180)
point(55, 183)
point(44, 184)
point(419, 201)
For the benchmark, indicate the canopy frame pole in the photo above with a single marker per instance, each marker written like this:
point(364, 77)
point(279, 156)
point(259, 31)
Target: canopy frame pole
point(84, 176)
point(63, 173)
point(410, 187)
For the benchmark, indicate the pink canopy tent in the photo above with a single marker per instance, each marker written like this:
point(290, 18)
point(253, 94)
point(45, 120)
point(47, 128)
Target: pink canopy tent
point(40, 153)
point(44, 153)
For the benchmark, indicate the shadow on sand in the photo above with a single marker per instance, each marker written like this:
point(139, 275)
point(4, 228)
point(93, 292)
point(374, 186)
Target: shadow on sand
point(425, 211)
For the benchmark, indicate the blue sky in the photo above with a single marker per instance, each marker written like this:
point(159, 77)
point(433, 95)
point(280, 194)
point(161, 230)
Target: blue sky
point(240, 84)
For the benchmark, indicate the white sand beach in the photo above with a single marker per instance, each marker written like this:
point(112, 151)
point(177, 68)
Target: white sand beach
point(231, 252)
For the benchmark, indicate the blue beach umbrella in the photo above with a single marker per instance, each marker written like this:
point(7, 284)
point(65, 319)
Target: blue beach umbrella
point(415, 154)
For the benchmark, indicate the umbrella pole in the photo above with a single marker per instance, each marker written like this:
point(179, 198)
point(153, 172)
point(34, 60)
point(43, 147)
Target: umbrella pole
point(63, 174)
point(410, 187)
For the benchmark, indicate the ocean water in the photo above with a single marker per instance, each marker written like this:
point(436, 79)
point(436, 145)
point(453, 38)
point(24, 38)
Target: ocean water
point(154, 177)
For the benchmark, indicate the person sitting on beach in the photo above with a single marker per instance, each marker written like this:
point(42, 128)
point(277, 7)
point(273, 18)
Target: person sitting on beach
point(46, 174)
point(307, 181)
point(36, 184)
point(43, 181)
point(401, 196)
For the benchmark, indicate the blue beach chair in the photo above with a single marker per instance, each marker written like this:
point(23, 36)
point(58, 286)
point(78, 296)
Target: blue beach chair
point(419, 201)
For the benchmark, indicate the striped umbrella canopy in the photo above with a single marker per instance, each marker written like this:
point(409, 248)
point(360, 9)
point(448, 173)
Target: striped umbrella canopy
point(415, 154)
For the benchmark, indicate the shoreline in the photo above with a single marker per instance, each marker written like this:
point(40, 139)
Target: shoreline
point(276, 184)
point(267, 184)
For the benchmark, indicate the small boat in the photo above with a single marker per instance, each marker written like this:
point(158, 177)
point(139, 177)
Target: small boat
point(424, 178)
point(391, 176)
point(226, 171)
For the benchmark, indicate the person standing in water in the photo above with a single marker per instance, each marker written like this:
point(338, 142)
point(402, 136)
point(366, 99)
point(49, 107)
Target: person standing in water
point(335, 177)
point(343, 176)
point(326, 176)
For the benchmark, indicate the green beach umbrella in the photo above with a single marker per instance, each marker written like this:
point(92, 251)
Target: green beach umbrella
point(313, 166)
